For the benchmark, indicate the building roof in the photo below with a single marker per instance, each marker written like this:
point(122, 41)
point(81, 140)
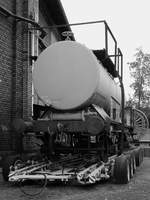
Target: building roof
point(58, 15)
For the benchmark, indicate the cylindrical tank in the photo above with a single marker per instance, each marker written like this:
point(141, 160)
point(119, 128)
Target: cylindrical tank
point(67, 75)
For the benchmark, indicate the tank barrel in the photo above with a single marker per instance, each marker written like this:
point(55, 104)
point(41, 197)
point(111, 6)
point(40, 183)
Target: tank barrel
point(67, 75)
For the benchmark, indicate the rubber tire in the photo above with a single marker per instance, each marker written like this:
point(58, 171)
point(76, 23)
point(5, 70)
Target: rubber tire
point(7, 162)
point(132, 163)
point(131, 166)
point(122, 169)
point(138, 157)
point(141, 155)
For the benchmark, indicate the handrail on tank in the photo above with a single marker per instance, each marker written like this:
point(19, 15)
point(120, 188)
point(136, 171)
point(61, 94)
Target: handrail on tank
point(120, 56)
point(107, 29)
point(117, 52)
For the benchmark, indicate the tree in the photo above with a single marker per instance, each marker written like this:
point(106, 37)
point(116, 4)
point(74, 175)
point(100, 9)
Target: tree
point(140, 72)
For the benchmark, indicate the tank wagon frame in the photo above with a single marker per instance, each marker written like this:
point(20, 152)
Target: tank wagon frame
point(84, 145)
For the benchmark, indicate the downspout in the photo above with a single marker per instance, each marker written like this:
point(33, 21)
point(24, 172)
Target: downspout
point(14, 55)
point(17, 144)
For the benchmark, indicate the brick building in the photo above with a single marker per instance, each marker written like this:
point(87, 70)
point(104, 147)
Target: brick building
point(19, 45)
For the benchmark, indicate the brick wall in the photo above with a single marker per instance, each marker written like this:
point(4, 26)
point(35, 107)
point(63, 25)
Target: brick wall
point(15, 67)
point(15, 71)
point(6, 60)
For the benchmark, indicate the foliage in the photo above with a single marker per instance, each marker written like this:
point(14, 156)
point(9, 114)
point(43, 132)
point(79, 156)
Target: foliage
point(130, 102)
point(140, 72)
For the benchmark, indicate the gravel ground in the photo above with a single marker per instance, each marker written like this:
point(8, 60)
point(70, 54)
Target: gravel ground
point(137, 189)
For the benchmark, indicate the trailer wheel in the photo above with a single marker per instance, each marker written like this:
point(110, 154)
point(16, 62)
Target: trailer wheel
point(7, 162)
point(134, 162)
point(138, 157)
point(141, 155)
point(131, 166)
point(122, 169)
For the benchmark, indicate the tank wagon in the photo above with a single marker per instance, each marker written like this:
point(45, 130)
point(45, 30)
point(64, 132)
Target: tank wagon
point(81, 120)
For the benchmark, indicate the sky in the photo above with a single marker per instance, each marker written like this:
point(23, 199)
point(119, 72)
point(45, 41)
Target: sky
point(129, 21)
